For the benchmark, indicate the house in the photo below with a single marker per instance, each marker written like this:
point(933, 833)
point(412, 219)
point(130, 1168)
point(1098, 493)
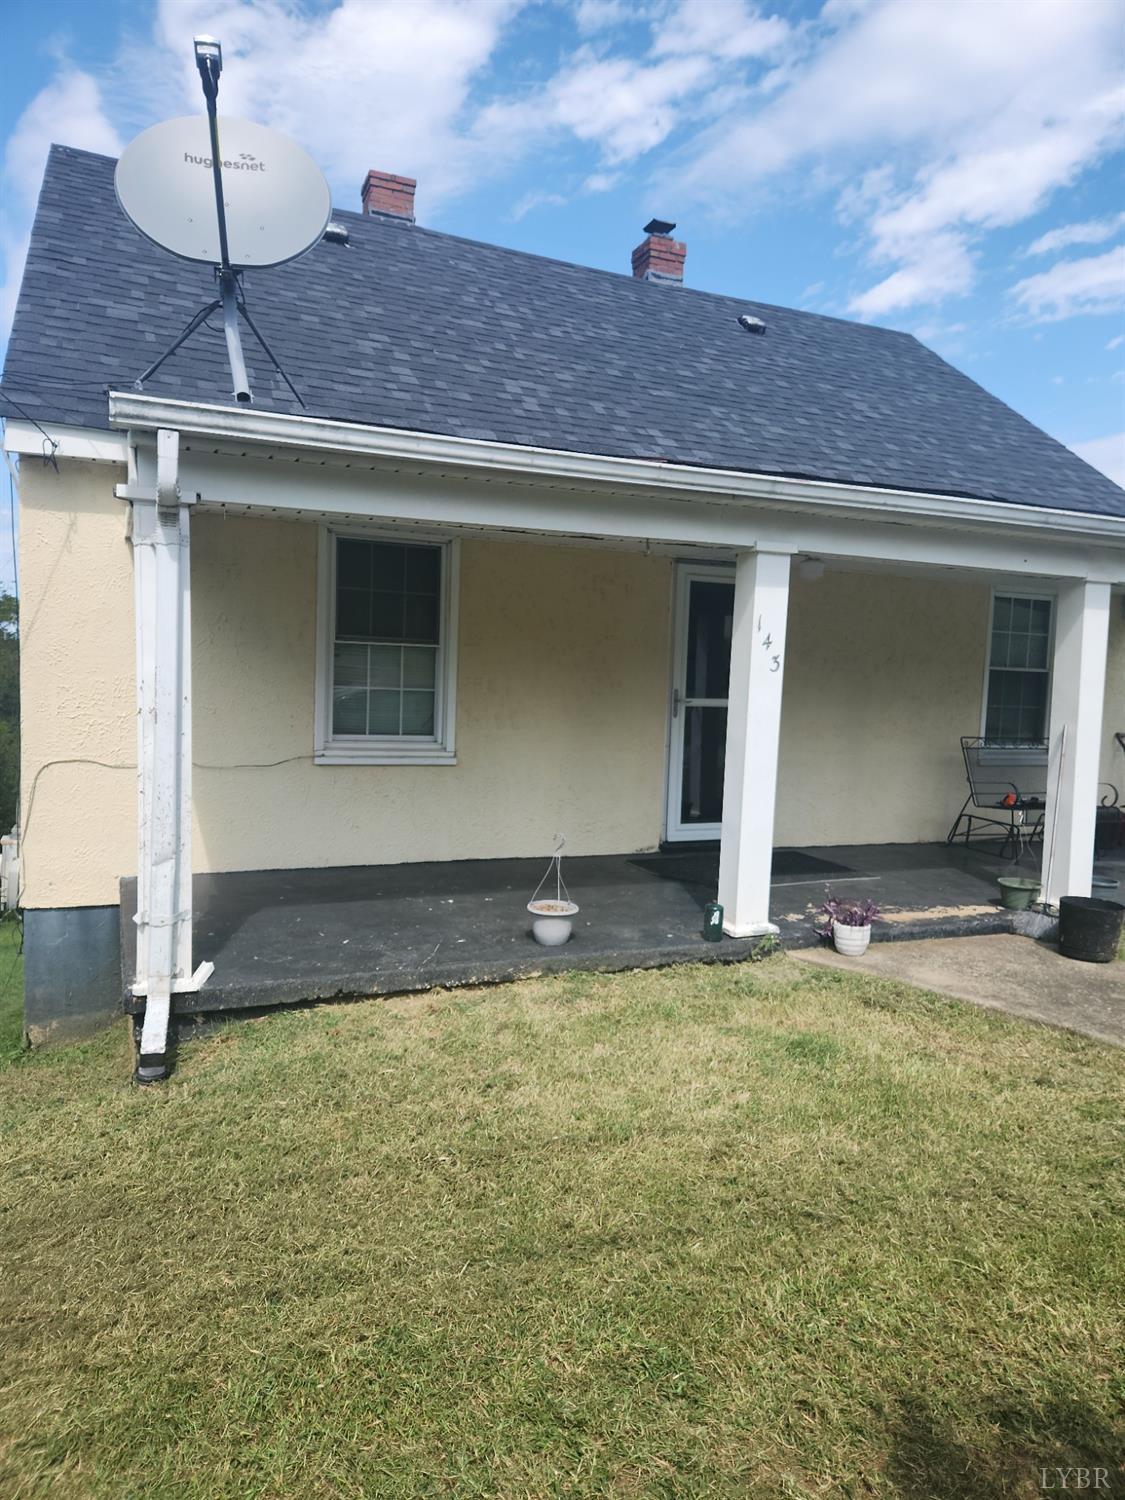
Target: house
point(547, 549)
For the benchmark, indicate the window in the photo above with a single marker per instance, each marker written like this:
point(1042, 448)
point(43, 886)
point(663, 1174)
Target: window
point(385, 679)
point(1019, 669)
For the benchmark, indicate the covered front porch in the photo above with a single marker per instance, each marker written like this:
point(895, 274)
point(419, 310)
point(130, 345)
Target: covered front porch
point(285, 936)
point(539, 676)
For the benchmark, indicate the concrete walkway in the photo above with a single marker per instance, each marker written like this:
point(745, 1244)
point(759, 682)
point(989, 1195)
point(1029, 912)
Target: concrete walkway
point(1002, 972)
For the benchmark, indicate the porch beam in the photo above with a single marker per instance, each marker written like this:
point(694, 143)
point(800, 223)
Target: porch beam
point(328, 441)
point(757, 672)
point(316, 488)
point(1077, 694)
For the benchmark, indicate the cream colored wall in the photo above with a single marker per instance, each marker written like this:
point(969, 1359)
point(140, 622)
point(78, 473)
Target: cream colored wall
point(884, 673)
point(562, 680)
point(77, 686)
point(562, 698)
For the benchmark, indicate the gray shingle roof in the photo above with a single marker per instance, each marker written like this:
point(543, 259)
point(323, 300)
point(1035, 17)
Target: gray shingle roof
point(406, 327)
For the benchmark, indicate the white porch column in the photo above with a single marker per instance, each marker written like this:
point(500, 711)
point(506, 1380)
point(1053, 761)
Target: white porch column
point(1077, 692)
point(162, 594)
point(757, 671)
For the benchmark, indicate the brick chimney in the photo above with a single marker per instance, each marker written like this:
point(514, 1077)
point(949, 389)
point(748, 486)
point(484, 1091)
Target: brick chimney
point(659, 257)
point(389, 196)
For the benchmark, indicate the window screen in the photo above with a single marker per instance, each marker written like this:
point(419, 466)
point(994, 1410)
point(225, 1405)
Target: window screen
point(387, 638)
point(1019, 672)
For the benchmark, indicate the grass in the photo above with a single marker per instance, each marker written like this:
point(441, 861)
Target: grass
point(765, 1230)
point(11, 990)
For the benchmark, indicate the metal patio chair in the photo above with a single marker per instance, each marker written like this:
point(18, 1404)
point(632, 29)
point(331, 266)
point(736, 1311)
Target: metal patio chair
point(1109, 829)
point(1007, 790)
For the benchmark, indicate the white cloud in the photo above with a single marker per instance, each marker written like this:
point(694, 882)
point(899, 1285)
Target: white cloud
point(930, 123)
point(949, 334)
point(1106, 454)
point(1115, 343)
point(68, 111)
point(1090, 232)
point(1093, 285)
point(939, 267)
point(721, 28)
point(599, 15)
point(533, 200)
point(955, 119)
point(626, 107)
point(367, 83)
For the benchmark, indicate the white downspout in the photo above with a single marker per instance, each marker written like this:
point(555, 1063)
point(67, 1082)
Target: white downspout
point(162, 593)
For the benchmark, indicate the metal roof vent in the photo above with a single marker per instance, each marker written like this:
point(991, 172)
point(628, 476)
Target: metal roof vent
point(337, 234)
point(751, 324)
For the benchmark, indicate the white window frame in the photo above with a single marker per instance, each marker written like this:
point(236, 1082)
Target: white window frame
point(1043, 598)
point(438, 749)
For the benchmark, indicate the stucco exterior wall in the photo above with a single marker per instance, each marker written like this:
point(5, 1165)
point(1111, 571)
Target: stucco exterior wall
point(77, 686)
point(562, 677)
point(561, 715)
point(884, 673)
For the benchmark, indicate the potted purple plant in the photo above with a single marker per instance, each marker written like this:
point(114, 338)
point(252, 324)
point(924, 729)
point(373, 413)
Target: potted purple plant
point(847, 923)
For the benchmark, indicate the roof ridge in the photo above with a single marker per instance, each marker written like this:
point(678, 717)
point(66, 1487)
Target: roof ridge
point(627, 277)
point(357, 216)
point(426, 330)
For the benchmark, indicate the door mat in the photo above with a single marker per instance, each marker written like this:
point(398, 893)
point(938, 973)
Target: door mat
point(701, 867)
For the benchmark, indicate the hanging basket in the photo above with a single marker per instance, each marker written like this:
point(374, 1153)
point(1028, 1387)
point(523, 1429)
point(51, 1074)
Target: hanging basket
point(552, 917)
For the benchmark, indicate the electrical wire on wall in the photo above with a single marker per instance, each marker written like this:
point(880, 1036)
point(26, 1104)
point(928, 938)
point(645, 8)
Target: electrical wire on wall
point(115, 765)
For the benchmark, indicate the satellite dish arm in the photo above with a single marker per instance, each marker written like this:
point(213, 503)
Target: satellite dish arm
point(210, 65)
point(209, 61)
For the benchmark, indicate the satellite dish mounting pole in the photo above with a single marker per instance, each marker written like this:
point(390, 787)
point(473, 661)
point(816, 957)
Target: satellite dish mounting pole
point(268, 220)
point(209, 61)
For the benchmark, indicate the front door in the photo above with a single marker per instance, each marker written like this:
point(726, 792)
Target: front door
point(700, 677)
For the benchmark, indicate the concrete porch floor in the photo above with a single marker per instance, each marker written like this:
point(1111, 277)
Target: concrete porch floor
point(285, 936)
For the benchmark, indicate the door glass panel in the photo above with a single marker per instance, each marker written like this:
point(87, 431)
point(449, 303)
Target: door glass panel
point(710, 614)
point(705, 744)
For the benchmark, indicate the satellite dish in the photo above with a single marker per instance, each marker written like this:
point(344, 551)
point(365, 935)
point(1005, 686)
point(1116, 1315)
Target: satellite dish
point(231, 198)
point(276, 199)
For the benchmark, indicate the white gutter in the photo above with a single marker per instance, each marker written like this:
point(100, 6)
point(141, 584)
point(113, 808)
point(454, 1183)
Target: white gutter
point(128, 409)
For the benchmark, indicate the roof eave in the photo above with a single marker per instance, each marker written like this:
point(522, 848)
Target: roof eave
point(130, 410)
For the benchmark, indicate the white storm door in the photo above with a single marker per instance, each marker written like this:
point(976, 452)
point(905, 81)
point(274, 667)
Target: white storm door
point(700, 680)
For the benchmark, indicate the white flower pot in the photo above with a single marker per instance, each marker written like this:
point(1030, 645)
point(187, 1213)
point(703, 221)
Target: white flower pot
point(851, 941)
point(552, 921)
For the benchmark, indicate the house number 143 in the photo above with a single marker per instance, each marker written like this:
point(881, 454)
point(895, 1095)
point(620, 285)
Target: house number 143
point(767, 643)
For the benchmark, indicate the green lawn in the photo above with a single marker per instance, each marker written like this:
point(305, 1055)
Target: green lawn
point(757, 1231)
point(11, 992)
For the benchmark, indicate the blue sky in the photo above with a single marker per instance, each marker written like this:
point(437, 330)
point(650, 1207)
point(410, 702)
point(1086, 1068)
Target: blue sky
point(951, 167)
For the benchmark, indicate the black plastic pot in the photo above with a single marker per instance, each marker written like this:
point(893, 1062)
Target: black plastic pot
point(1089, 928)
